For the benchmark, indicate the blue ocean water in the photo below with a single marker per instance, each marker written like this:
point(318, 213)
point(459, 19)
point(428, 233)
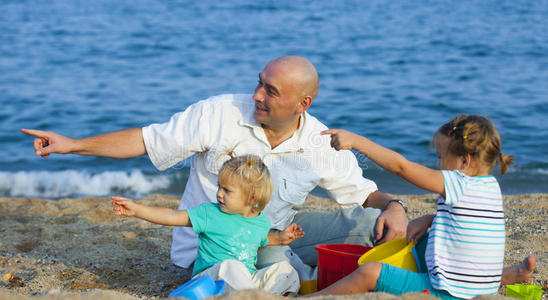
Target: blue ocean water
point(391, 70)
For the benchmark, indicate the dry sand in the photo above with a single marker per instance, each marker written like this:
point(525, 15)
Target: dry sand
point(77, 249)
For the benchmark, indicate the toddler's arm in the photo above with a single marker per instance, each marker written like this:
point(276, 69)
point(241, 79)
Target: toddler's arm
point(421, 176)
point(291, 233)
point(159, 215)
point(418, 227)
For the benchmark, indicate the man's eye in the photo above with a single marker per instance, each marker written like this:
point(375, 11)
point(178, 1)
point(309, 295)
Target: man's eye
point(270, 91)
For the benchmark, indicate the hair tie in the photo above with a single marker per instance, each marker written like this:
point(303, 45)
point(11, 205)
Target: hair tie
point(250, 163)
point(464, 136)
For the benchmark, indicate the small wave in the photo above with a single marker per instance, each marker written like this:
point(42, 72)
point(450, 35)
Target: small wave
point(45, 184)
point(540, 171)
point(529, 169)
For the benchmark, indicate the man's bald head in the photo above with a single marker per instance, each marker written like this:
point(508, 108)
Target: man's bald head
point(286, 88)
point(300, 71)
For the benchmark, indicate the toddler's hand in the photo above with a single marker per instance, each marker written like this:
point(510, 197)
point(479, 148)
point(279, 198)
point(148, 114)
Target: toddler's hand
point(291, 233)
point(418, 227)
point(341, 139)
point(123, 206)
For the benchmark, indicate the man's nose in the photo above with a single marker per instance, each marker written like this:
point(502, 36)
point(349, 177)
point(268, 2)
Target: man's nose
point(258, 95)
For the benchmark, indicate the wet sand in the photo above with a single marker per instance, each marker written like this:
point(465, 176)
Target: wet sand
point(77, 249)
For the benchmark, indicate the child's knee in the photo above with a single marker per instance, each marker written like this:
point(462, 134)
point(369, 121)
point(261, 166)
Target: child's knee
point(370, 269)
point(282, 265)
point(232, 264)
point(368, 275)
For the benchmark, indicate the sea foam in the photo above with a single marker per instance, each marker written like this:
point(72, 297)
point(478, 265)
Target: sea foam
point(46, 184)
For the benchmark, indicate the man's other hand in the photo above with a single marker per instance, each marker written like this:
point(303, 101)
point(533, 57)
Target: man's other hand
point(47, 142)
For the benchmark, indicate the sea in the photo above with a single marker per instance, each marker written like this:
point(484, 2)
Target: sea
point(393, 71)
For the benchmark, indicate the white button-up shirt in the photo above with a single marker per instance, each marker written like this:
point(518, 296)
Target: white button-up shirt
point(212, 128)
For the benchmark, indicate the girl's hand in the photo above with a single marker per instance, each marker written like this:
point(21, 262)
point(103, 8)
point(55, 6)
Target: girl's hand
point(418, 227)
point(291, 233)
point(123, 206)
point(342, 139)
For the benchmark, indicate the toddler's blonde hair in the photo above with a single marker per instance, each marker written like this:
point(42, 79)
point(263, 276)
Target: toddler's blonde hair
point(252, 175)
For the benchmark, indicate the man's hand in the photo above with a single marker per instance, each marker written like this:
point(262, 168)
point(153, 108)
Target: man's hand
point(47, 142)
point(394, 220)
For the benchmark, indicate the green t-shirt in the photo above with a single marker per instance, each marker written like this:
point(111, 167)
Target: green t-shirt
point(224, 236)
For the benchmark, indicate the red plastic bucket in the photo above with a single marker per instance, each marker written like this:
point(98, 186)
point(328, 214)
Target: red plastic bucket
point(336, 261)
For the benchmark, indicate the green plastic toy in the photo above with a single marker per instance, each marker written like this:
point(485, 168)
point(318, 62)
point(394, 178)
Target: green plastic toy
point(523, 291)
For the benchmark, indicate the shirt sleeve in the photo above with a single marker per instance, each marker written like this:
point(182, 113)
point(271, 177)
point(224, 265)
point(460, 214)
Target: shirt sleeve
point(345, 182)
point(266, 226)
point(455, 183)
point(198, 217)
point(183, 135)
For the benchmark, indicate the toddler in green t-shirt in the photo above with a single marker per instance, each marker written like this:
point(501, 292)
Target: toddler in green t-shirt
point(231, 231)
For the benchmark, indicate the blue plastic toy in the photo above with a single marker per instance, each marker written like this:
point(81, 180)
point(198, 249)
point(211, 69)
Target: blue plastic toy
point(199, 288)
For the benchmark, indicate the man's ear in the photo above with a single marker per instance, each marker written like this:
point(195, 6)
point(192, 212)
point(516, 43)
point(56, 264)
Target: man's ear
point(304, 104)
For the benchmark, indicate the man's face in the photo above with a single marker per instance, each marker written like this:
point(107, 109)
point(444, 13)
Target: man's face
point(276, 97)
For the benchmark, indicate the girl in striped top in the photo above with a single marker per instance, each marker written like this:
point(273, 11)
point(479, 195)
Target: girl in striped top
point(465, 249)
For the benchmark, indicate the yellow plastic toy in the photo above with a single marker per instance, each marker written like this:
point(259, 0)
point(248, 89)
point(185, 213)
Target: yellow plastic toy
point(396, 253)
point(308, 287)
point(523, 291)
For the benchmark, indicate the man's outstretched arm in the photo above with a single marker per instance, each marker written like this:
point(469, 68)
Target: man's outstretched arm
point(393, 218)
point(118, 144)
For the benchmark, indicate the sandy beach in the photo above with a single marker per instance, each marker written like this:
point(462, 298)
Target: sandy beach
point(77, 249)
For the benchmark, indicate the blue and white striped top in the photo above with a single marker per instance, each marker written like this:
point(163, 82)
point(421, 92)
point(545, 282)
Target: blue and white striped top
point(465, 251)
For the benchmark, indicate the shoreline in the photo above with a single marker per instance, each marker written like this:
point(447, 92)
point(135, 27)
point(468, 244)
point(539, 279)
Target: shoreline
point(76, 247)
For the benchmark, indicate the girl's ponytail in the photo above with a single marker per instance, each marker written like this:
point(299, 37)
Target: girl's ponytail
point(505, 162)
